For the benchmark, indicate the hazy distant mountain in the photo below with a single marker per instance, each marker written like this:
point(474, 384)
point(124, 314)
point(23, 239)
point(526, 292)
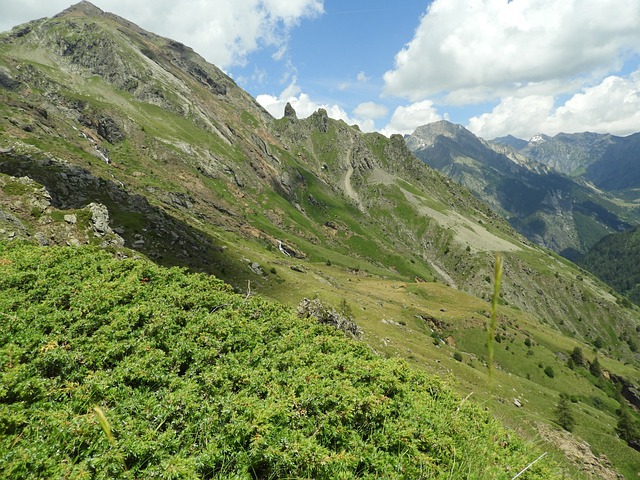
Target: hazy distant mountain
point(618, 168)
point(565, 214)
point(567, 153)
point(511, 141)
point(610, 162)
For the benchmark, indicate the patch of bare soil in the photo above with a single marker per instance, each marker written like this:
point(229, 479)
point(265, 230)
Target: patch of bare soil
point(579, 453)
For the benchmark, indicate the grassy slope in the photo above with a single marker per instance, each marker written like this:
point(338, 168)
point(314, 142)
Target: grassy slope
point(195, 381)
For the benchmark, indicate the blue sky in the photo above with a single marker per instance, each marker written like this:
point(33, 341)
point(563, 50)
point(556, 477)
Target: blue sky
point(494, 66)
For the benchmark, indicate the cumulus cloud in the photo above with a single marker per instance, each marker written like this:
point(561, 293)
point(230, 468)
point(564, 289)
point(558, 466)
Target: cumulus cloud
point(481, 49)
point(521, 117)
point(225, 32)
point(305, 106)
point(370, 110)
point(611, 106)
point(406, 119)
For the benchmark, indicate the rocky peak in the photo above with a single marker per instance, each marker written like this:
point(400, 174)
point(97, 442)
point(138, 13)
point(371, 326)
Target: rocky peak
point(82, 8)
point(321, 120)
point(289, 112)
point(426, 135)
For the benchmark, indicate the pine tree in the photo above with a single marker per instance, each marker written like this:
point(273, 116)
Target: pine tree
point(564, 416)
point(577, 357)
point(628, 428)
point(595, 368)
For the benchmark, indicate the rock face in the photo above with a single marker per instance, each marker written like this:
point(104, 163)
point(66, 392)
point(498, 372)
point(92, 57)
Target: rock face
point(100, 219)
point(105, 126)
point(6, 80)
point(289, 112)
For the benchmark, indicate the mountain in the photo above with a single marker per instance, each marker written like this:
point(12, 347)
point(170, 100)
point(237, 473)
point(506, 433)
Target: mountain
point(511, 141)
point(565, 214)
point(608, 161)
point(118, 138)
point(618, 169)
point(570, 154)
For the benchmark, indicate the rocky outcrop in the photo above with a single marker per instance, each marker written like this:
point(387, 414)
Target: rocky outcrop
point(327, 315)
point(6, 80)
point(104, 125)
point(289, 112)
point(320, 120)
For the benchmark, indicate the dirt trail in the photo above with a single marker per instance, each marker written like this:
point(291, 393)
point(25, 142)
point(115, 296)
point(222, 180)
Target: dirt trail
point(348, 188)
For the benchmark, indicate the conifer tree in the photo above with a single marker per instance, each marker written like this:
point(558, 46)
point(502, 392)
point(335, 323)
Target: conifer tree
point(595, 368)
point(564, 416)
point(577, 357)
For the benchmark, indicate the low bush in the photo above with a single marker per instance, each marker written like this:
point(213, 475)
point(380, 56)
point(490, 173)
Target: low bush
point(117, 368)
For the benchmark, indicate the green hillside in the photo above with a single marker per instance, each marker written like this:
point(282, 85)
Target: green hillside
point(615, 259)
point(114, 367)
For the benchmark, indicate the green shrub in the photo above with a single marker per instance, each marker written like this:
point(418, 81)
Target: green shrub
point(193, 381)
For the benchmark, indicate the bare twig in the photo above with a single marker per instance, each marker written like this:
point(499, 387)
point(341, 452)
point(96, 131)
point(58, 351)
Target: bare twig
point(218, 307)
point(528, 466)
point(248, 290)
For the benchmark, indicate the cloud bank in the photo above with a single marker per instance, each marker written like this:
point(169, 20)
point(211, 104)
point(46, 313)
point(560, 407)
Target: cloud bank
point(525, 55)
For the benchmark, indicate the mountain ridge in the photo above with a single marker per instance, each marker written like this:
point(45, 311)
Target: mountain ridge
point(565, 214)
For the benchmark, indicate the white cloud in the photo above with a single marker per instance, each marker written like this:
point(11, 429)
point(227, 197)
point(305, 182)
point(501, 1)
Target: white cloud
point(521, 117)
point(481, 49)
point(370, 110)
point(362, 77)
point(612, 106)
point(406, 119)
point(222, 31)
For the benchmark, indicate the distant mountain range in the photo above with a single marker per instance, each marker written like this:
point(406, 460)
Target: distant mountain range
point(611, 163)
point(561, 192)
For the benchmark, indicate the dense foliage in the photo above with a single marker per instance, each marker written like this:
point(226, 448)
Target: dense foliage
point(615, 260)
point(193, 381)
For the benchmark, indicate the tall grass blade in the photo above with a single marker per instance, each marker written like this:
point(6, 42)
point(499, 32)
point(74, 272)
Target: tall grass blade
point(104, 423)
point(491, 325)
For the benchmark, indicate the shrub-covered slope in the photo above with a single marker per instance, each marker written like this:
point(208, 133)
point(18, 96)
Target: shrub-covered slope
point(193, 381)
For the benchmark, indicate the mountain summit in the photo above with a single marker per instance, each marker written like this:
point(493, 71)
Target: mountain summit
point(83, 7)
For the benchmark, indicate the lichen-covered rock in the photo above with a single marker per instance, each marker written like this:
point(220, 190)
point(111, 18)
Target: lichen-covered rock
point(328, 316)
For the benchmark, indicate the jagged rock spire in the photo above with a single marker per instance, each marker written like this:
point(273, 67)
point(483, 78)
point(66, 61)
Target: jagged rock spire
point(289, 112)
